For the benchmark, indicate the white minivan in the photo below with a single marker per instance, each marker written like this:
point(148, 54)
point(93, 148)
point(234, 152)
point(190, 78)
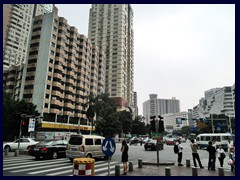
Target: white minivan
point(84, 146)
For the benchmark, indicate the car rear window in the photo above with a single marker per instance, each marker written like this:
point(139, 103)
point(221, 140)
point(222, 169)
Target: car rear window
point(75, 140)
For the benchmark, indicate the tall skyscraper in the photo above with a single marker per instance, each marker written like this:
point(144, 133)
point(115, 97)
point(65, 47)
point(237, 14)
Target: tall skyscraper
point(111, 29)
point(17, 23)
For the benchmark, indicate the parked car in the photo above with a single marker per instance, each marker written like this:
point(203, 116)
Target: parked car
point(152, 144)
point(134, 141)
point(24, 144)
point(170, 141)
point(48, 149)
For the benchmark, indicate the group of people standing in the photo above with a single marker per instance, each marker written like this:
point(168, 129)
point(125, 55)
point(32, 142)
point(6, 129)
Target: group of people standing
point(221, 155)
point(212, 150)
point(213, 153)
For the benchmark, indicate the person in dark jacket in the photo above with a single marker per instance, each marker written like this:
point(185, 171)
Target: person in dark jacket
point(212, 156)
point(124, 150)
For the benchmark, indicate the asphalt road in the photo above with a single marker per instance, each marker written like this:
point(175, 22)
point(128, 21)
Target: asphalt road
point(25, 165)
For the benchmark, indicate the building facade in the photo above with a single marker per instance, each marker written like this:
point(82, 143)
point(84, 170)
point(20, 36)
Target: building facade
point(175, 121)
point(62, 68)
point(216, 101)
point(111, 29)
point(155, 107)
point(17, 21)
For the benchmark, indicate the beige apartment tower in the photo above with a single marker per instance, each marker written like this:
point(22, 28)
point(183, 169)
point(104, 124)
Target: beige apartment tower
point(62, 69)
point(17, 22)
point(111, 29)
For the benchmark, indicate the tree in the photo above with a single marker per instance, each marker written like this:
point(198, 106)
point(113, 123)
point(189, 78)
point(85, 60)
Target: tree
point(126, 120)
point(138, 127)
point(107, 124)
point(12, 116)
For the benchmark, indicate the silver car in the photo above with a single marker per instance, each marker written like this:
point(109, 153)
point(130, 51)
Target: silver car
point(24, 144)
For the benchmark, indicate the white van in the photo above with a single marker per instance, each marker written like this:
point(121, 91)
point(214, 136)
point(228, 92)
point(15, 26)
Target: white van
point(220, 138)
point(84, 146)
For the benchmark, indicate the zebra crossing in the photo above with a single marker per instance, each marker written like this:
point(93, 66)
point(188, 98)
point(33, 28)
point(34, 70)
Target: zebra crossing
point(28, 166)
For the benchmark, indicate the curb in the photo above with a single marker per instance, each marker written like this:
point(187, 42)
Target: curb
point(155, 163)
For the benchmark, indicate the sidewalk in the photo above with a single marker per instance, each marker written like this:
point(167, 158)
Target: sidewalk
point(154, 170)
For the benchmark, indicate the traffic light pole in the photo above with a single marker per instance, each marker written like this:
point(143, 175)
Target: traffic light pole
point(20, 133)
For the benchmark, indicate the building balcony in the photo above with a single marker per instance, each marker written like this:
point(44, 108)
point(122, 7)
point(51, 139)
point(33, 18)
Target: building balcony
point(57, 84)
point(54, 111)
point(69, 97)
point(56, 102)
point(28, 91)
point(69, 105)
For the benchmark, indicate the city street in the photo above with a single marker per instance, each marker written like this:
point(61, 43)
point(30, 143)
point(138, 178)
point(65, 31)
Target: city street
point(25, 165)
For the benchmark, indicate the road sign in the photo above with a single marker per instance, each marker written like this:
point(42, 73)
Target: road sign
point(108, 147)
point(31, 125)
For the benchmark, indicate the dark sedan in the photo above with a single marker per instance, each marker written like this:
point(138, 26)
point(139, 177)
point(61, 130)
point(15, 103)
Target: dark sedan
point(152, 144)
point(48, 149)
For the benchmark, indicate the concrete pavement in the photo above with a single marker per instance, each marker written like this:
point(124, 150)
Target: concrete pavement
point(151, 169)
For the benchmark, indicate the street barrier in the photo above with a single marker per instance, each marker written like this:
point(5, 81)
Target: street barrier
point(220, 171)
point(117, 170)
point(139, 163)
point(130, 166)
point(83, 167)
point(188, 162)
point(167, 171)
point(194, 171)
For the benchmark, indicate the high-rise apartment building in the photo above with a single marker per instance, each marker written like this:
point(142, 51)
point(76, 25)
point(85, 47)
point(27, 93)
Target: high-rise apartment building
point(62, 69)
point(17, 22)
point(111, 29)
point(155, 107)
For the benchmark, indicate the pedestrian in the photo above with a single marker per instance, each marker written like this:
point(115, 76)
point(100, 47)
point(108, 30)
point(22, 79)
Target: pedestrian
point(230, 145)
point(212, 156)
point(231, 160)
point(124, 150)
point(195, 154)
point(180, 148)
point(221, 154)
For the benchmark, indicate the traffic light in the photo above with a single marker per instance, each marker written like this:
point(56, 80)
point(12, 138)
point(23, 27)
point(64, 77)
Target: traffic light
point(153, 125)
point(161, 126)
point(24, 121)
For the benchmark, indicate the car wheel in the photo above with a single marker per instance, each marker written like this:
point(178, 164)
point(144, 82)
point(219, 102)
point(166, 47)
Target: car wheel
point(71, 159)
point(89, 156)
point(7, 148)
point(54, 155)
point(145, 149)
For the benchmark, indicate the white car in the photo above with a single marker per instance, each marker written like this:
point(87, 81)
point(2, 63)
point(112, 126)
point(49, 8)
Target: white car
point(24, 144)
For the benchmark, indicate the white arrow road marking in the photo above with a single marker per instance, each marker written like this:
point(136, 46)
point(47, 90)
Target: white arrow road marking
point(111, 148)
point(105, 146)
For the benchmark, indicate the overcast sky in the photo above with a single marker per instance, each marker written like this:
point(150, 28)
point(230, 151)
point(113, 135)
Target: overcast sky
point(179, 50)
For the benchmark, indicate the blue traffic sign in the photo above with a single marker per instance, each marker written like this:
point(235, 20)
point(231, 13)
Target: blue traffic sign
point(108, 146)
